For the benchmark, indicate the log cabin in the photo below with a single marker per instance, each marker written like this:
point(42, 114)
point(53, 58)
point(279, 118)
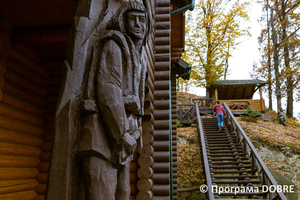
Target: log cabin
point(34, 39)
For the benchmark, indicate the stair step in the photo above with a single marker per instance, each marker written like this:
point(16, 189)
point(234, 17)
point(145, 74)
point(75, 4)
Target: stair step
point(229, 171)
point(225, 155)
point(231, 167)
point(233, 176)
point(237, 182)
point(230, 163)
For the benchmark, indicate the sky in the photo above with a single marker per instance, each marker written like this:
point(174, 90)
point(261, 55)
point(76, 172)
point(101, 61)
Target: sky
point(241, 63)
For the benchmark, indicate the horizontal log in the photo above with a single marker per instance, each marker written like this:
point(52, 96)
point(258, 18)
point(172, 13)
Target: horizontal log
point(161, 190)
point(48, 126)
point(163, 3)
point(19, 138)
point(134, 167)
point(161, 145)
point(162, 66)
point(41, 188)
point(43, 167)
point(25, 195)
point(22, 104)
point(162, 57)
point(49, 116)
point(144, 195)
point(46, 147)
point(19, 126)
point(47, 136)
point(163, 10)
point(162, 198)
point(1, 80)
point(133, 178)
point(54, 89)
point(42, 177)
point(163, 25)
point(163, 156)
point(18, 161)
point(145, 161)
point(41, 35)
point(147, 149)
point(149, 83)
point(161, 84)
point(162, 94)
point(162, 33)
point(52, 64)
point(40, 197)
point(11, 186)
point(51, 107)
point(148, 94)
point(145, 172)
point(162, 48)
point(28, 73)
point(161, 167)
point(24, 94)
point(55, 80)
point(19, 150)
point(162, 41)
point(30, 63)
point(22, 115)
point(25, 82)
point(133, 190)
point(45, 156)
point(2, 66)
point(144, 185)
point(161, 178)
point(162, 124)
point(163, 114)
point(164, 104)
point(163, 17)
point(52, 98)
point(18, 173)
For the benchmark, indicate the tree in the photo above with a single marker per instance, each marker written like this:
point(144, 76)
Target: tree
point(282, 18)
point(213, 30)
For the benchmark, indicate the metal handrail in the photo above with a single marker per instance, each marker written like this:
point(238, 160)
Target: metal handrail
point(204, 154)
point(257, 163)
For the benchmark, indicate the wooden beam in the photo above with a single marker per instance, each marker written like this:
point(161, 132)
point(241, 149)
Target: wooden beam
point(244, 93)
point(216, 94)
point(41, 35)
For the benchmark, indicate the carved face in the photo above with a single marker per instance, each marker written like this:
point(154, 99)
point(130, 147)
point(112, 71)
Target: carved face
point(135, 24)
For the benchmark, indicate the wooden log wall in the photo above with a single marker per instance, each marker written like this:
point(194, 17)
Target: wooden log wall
point(22, 109)
point(145, 160)
point(161, 177)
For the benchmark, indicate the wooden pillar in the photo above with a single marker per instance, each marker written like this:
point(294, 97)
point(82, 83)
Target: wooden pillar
point(261, 100)
point(216, 94)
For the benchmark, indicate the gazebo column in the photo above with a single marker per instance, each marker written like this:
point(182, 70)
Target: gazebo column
point(261, 98)
point(216, 94)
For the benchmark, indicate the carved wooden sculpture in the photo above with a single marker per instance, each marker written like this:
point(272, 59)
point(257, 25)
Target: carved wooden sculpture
point(110, 109)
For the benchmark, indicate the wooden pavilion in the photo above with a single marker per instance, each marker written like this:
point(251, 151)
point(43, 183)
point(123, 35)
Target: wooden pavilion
point(34, 37)
point(238, 94)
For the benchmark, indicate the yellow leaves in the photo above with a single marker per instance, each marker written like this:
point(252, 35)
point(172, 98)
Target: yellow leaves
point(213, 32)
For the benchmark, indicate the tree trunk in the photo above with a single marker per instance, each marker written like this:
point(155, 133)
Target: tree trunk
point(269, 65)
point(289, 85)
point(276, 67)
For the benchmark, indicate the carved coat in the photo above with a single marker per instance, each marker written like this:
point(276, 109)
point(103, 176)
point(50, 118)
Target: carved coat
point(114, 96)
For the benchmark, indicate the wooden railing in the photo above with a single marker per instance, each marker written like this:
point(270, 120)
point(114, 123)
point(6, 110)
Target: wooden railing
point(210, 195)
point(257, 164)
point(186, 113)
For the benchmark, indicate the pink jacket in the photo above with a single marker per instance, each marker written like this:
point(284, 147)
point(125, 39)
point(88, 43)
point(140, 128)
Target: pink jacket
point(219, 109)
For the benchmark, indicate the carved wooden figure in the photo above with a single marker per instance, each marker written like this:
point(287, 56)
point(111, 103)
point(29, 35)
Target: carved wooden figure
point(110, 112)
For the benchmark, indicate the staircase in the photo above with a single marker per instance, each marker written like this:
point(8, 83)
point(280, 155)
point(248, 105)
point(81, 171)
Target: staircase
point(233, 168)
